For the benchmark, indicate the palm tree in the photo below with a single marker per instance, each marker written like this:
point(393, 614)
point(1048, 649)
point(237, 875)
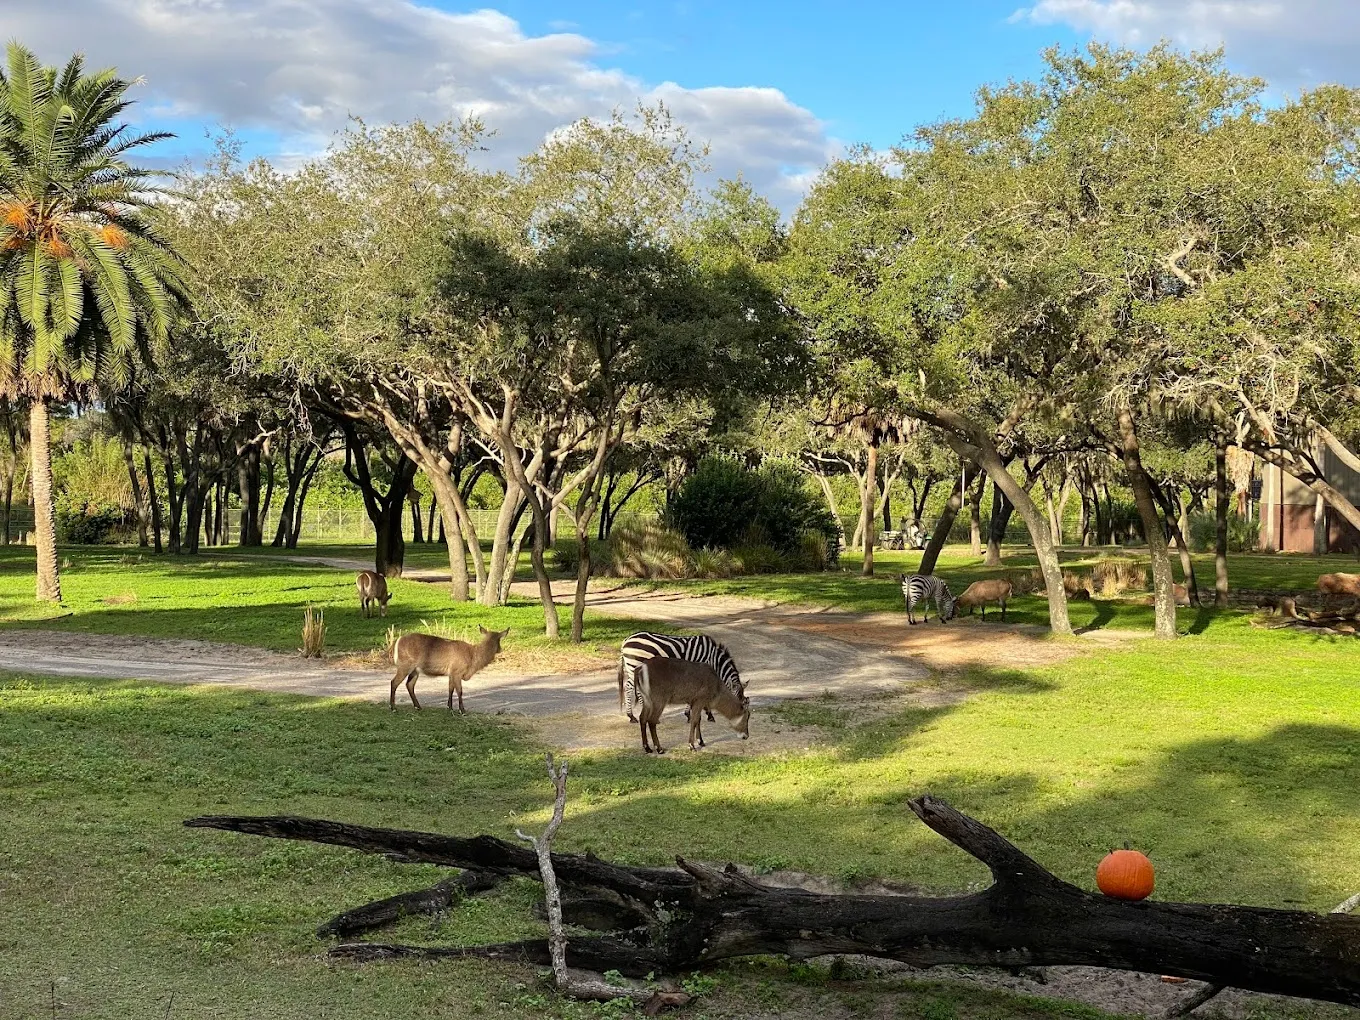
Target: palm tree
point(85, 281)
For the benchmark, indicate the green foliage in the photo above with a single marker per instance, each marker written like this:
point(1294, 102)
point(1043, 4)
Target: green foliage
point(84, 275)
point(1244, 535)
point(81, 522)
point(724, 505)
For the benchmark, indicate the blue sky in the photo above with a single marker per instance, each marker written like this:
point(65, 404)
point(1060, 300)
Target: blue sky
point(776, 89)
point(870, 71)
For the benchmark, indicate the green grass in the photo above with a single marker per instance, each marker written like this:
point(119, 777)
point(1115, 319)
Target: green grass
point(1231, 758)
point(255, 602)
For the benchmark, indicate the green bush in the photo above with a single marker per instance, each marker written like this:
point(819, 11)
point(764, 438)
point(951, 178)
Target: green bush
point(1244, 535)
point(724, 505)
point(87, 523)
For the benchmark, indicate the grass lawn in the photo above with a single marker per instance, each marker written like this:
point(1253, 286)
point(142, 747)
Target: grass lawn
point(1232, 757)
point(260, 602)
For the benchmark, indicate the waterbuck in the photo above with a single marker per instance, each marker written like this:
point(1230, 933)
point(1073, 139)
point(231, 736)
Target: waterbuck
point(663, 682)
point(417, 655)
point(372, 588)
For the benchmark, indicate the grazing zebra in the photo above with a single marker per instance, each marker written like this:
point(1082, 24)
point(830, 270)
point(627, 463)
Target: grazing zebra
point(640, 647)
point(917, 588)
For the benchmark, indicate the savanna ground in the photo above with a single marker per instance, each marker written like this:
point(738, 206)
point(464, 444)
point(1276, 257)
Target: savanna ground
point(1232, 757)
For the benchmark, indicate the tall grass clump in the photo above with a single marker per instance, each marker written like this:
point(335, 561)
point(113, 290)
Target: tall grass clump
point(313, 633)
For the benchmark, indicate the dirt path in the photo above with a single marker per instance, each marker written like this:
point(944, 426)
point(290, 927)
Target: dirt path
point(783, 652)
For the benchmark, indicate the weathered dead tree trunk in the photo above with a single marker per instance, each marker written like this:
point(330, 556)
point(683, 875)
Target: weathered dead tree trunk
point(669, 920)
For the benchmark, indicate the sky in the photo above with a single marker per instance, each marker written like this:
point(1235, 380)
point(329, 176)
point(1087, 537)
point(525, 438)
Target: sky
point(776, 89)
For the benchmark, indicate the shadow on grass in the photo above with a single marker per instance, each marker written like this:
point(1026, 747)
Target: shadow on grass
point(1104, 615)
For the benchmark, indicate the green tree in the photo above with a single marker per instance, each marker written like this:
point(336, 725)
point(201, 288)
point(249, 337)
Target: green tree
point(85, 279)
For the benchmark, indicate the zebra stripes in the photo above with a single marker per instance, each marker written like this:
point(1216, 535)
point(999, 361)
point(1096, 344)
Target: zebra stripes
point(700, 648)
point(918, 588)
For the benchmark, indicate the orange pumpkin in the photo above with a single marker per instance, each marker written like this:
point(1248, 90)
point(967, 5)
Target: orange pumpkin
point(1125, 875)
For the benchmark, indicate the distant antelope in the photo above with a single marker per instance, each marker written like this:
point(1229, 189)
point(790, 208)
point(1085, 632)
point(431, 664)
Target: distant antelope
point(417, 655)
point(372, 588)
point(663, 682)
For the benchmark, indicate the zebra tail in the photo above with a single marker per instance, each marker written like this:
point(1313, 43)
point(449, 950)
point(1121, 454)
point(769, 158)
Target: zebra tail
point(620, 681)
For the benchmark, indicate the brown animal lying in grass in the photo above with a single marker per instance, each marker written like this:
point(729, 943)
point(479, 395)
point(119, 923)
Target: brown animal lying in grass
point(1339, 584)
point(663, 682)
point(979, 593)
point(417, 655)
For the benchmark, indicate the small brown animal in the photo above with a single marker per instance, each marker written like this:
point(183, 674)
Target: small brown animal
point(1339, 584)
point(663, 682)
point(1181, 594)
point(372, 589)
point(979, 593)
point(417, 655)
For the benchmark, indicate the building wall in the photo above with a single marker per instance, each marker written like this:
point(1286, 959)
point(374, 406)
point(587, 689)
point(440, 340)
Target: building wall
point(1289, 511)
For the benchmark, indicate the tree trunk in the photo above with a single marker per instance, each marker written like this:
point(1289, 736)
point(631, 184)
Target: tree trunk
point(1084, 519)
point(417, 529)
point(1176, 528)
point(975, 519)
point(1026, 917)
point(389, 547)
point(138, 499)
point(429, 521)
point(1222, 495)
point(942, 527)
point(867, 517)
point(44, 505)
point(174, 502)
point(154, 501)
point(1162, 585)
point(1002, 509)
point(984, 453)
point(248, 486)
point(9, 504)
point(500, 546)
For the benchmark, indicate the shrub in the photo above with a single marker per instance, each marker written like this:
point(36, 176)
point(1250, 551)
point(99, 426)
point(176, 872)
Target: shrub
point(1114, 575)
point(646, 549)
point(713, 563)
point(87, 523)
point(723, 505)
point(1244, 534)
point(760, 559)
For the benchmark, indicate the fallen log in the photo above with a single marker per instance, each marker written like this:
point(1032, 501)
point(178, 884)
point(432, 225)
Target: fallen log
point(672, 921)
point(440, 896)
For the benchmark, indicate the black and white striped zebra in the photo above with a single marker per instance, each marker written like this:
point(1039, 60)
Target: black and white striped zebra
point(700, 648)
point(918, 588)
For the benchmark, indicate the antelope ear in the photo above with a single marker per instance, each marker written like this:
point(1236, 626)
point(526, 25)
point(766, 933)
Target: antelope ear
point(481, 629)
point(505, 632)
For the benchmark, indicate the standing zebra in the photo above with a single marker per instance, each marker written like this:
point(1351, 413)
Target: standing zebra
point(701, 648)
point(917, 588)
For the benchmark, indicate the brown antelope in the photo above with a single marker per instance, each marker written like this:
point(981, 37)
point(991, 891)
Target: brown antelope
point(979, 593)
point(372, 588)
point(681, 682)
point(417, 655)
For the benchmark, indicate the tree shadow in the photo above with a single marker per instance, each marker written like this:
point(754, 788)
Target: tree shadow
point(1104, 614)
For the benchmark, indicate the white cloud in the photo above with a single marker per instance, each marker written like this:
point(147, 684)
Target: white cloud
point(1291, 42)
point(299, 68)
